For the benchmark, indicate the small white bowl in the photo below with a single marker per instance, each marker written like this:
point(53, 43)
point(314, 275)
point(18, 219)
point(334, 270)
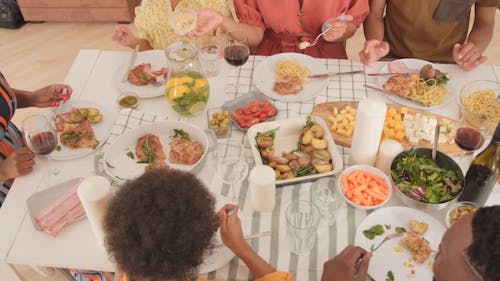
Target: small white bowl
point(372, 170)
point(458, 205)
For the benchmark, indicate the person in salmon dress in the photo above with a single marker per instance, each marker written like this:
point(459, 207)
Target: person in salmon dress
point(278, 26)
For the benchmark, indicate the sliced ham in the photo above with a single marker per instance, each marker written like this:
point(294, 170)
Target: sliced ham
point(66, 209)
point(398, 67)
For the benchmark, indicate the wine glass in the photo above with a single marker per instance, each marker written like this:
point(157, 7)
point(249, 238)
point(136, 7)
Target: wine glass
point(40, 136)
point(469, 138)
point(232, 170)
point(236, 51)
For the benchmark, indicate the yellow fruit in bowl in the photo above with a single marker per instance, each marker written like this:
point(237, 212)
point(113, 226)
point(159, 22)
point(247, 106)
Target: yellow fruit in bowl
point(186, 80)
point(199, 83)
point(172, 82)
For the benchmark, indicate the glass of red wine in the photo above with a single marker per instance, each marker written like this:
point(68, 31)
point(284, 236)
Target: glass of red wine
point(469, 138)
point(236, 52)
point(40, 136)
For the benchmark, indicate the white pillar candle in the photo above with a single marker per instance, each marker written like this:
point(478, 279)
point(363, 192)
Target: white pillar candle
point(95, 194)
point(367, 131)
point(262, 181)
point(386, 152)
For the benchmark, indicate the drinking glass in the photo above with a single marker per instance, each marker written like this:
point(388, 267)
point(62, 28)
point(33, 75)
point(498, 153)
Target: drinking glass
point(40, 136)
point(236, 51)
point(302, 220)
point(232, 170)
point(469, 138)
point(326, 197)
point(210, 58)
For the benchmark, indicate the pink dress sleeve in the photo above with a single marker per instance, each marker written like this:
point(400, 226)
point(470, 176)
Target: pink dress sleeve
point(248, 12)
point(358, 9)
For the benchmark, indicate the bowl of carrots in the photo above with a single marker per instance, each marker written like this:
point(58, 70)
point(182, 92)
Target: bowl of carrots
point(365, 187)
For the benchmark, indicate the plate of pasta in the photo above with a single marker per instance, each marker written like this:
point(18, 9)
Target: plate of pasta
point(290, 81)
point(417, 84)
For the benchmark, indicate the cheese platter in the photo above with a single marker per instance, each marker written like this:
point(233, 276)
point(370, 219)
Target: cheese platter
point(411, 127)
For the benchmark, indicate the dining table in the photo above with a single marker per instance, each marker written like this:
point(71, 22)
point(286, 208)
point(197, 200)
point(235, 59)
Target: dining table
point(95, 75)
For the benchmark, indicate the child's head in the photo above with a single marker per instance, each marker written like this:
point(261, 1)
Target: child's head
point(159, 225)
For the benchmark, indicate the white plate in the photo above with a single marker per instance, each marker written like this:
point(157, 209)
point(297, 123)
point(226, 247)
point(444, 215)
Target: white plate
point(265, 73)
point(386, 258)
point(286, 140)
point(101, 131)
point(40, 200)
point(415, 65)
point(121, 167)
point(157, 60)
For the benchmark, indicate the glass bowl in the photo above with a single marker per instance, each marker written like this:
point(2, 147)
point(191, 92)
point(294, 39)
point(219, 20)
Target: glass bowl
point(458, 210)
point(219, 122)
point(472, 114)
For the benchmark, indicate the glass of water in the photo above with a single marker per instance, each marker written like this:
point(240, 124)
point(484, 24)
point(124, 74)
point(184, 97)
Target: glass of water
point(210, 56)
point(326, 197)
point(302, 220)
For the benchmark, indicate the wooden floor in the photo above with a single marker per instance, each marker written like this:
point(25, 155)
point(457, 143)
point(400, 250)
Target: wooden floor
point(39, 54)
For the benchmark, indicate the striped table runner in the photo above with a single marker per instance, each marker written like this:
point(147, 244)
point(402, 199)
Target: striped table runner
point(330, 239)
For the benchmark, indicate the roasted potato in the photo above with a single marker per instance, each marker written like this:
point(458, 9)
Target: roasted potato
point(264, 141)
point(307, 137)
point(323, 168)
point(317, 131)
point(319, 144)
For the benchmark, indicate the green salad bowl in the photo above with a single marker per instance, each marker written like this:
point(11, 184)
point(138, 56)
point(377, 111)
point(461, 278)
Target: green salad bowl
point(421, 195)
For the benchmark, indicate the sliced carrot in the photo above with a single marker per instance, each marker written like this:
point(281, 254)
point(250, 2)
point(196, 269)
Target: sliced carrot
point(364, 188)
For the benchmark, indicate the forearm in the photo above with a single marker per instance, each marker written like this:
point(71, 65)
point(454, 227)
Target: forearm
point(481, 36)
point(258, 266)
point(350, 30)
point(373, 28)
point(23, 98)
point(253, 34)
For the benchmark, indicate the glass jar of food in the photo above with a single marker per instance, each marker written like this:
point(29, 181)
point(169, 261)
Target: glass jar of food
point(187, 88)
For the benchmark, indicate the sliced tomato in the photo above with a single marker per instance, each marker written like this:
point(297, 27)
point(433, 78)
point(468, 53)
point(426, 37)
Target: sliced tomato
point(263, 102)
point(271, 112)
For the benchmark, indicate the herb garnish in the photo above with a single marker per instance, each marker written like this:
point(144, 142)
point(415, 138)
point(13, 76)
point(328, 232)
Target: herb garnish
point(400, 229)
point(180, 133)
point(130, 154)
point(390, 276)
point(109, 165)
point(374, 231)
point(58, 148)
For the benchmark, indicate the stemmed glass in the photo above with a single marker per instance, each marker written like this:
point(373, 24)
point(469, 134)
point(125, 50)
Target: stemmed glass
point(236, 51)
point(232, 170)
point(40, 136)
point(469, 138)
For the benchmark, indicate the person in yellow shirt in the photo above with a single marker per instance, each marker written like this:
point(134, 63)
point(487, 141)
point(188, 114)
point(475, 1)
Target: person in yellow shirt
point(160, 225)
point(151, 20)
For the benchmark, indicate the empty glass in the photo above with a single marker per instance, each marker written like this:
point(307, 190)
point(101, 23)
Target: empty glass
point(302, 220)
point(210, 56)
point(232, 170)
point(326, 197)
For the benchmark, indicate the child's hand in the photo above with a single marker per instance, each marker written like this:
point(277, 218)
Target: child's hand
point(467, 56)
point(373, 51)
point(230, 228)
point(124, 36)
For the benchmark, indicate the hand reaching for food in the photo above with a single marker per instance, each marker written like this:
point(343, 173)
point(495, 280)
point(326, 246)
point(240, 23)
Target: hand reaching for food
point(350, 265)
point(373, 51)
point(124, 36)
point(338, 27)
point(51, 95)
point(467, 56)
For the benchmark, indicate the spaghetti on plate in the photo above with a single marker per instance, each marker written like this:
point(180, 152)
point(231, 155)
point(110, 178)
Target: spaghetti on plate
point(290, 76)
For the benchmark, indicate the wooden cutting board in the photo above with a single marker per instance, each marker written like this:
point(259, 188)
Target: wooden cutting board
point(324, 110)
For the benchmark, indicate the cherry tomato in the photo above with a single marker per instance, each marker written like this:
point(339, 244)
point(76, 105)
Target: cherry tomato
point(271, 112)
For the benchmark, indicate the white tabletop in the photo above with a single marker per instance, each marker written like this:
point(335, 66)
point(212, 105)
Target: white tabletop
point(93, 77)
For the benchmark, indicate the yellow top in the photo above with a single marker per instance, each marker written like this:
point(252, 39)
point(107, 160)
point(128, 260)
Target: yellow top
point(275, 276)
point(151, 18)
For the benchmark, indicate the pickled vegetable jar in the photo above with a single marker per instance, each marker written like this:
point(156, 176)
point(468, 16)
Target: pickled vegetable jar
point(187, 88)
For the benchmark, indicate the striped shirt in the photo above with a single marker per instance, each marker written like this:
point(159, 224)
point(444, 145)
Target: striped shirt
point(10, 136)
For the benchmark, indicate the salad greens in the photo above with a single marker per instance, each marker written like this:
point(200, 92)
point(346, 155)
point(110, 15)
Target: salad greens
point(421, 179)
point(374, 231)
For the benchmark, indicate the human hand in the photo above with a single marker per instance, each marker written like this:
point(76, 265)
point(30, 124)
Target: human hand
point(373, 51)
point(206, 20)
point(51, 95)
point(346, 266)
point(124, 36)
point(467, 56)
point(337, 27)
point(19, 163)
point(230, 228)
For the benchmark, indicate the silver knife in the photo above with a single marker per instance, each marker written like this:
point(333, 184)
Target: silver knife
point(131, 63)
point(335, 74)
point(251, 236)
point(384, 91)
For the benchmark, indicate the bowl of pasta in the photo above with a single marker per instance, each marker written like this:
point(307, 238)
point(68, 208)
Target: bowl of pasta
point(479, 103)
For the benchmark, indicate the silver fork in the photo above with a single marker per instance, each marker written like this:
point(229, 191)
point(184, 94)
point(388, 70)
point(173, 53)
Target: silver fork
point(305, 44)
point(387, 238)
